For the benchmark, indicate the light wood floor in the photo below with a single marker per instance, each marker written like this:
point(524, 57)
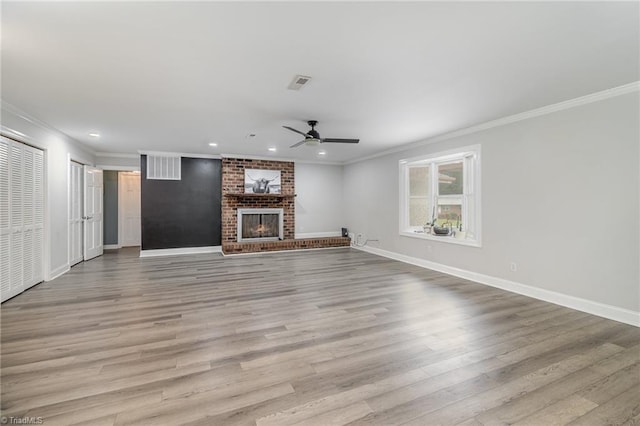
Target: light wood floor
point(318, 337)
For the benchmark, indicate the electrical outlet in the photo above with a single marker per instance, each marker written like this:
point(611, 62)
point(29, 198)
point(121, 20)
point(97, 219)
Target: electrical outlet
point(513, 266)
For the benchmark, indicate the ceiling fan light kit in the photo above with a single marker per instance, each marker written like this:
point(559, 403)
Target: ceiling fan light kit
point(312, 137)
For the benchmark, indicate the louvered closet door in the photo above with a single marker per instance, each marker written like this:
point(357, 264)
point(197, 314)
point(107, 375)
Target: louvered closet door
point(38, 216)
point(33, 216)
point(21, 217)
point(15, 206)
point(27, 217)
point(5, 220)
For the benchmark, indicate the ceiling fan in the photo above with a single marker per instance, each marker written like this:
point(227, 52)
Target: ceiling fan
point(312, 137)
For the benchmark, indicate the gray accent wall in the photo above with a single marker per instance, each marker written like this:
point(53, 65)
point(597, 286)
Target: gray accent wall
point(182, 213)
point(560, 197)
point(110, 207)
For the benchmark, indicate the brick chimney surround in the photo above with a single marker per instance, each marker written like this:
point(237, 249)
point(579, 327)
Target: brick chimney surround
point(233, 197)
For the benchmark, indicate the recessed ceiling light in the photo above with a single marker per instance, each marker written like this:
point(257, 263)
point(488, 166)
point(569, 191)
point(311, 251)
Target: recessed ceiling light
point(322, 152)
point(272, 149)
point(94, 134)
point(213, 144)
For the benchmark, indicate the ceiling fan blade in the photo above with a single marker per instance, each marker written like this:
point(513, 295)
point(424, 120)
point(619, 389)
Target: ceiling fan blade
point(337, 140)
point(298, 144)
point(294, 130)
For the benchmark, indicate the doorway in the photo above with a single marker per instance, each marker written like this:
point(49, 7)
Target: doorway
point(85, 213)
point(129, 218)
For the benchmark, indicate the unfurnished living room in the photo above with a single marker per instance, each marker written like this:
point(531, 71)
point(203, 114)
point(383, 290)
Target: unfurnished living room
point(320, 213)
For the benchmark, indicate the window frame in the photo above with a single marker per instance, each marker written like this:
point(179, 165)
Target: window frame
point(471, 220)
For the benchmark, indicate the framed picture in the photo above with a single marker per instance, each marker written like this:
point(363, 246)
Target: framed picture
point(257, 181)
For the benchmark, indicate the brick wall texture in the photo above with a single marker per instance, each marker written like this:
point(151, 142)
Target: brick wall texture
point(233, 184)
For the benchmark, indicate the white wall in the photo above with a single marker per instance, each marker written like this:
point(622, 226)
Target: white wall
point(560, 197)
point(319, 210)
point(57, 147)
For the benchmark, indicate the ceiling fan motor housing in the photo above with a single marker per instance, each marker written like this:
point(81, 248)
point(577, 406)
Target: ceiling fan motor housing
point(312, 137)
point(313, 132)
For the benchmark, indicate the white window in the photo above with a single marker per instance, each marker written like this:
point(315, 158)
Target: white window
point(440, 196)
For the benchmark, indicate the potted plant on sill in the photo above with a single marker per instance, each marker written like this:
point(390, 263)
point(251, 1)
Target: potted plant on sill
point(459, 233)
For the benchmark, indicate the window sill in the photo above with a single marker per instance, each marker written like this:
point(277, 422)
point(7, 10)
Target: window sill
point(443, 239)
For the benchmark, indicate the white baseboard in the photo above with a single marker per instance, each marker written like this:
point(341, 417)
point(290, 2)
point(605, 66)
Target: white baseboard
point(318, 235)
point(55, 273)
point(112, 246)
point(600, 309)
point(182, 250)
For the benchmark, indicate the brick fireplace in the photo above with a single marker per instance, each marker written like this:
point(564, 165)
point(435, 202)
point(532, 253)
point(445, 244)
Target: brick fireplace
point(233, 198)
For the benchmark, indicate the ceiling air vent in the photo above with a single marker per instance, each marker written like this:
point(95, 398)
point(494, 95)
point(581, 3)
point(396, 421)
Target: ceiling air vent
point(298, 82)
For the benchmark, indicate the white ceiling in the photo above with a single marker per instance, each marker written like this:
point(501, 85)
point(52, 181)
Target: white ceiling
point(174, 76)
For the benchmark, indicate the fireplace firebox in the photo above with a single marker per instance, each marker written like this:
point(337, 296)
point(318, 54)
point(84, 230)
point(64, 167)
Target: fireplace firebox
point(260, 224)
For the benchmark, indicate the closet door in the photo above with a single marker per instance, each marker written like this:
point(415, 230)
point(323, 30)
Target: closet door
point(33, 216)
point(75, 213)
point(38, 216)
point(15, 206)
point(93, 216)
point(5, 220)
point(21, 217)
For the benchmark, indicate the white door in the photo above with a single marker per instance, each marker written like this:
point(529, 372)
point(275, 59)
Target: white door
point(21, 217)
point(5, 219)
point(93, 215)
point(32, 216)
point(76, 207)
point(129, 209)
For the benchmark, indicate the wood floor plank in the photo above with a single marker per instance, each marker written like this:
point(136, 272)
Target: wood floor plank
point(616, 411)
point(561, 412)
point(553, 383)
point(313, 337)
point(339, 416)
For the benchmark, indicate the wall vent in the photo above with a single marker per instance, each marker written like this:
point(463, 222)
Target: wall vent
point(163, 167)
point(298, 82)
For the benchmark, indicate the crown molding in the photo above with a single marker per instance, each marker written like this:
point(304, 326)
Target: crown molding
point(560, 106)
point(180, 154)
point(257, 157)
point(118, 168)
point(116, 155)
point(38, 123)
point(319, 163)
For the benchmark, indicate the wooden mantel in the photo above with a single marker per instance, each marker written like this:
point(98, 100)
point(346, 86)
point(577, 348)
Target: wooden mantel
point(252, 195)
